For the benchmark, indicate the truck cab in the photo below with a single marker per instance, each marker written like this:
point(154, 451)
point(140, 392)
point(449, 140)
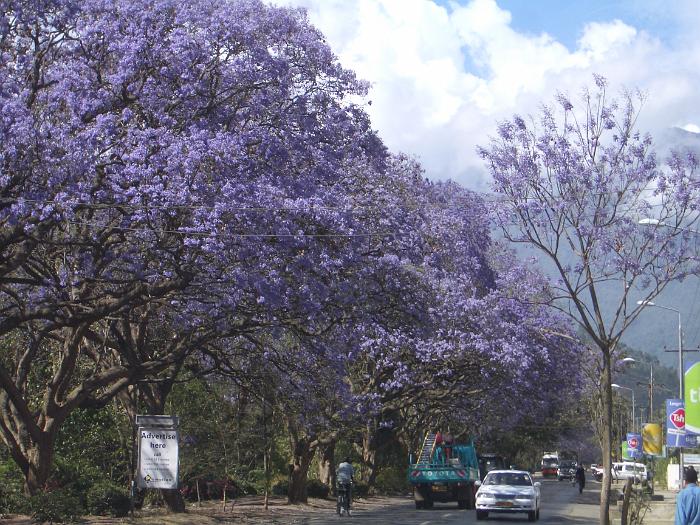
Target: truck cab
point(489, 462)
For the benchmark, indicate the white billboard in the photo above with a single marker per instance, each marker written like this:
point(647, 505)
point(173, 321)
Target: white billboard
point(158, 458)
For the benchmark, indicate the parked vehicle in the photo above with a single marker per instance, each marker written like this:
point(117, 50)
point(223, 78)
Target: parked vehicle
point(597, 471)
point(444, 473)
point(508, 491)
point(622, 471)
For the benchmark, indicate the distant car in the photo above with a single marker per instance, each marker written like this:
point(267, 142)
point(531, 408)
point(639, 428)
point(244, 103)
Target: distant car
point(566, 470)
point(508, 491)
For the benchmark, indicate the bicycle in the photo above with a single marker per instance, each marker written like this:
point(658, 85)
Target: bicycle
point(343, 499)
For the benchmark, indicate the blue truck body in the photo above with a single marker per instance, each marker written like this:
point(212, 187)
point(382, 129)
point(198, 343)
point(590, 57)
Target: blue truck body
point(444, 474)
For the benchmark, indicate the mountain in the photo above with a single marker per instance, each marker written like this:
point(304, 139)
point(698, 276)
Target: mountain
point(655, 332)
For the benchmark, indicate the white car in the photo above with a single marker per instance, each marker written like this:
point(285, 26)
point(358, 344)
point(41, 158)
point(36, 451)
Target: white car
point(508, 491)
point(627, 469)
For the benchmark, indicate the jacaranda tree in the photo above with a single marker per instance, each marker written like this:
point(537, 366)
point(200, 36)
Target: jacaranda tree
point(574, 185)
point(149, 151)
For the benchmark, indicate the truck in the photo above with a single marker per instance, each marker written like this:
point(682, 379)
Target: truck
point(443, 472)
point(489, 461)
point(550, 464)
point(568, 462)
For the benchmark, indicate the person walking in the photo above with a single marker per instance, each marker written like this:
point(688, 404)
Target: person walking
point(688, 500)
point(580, 477)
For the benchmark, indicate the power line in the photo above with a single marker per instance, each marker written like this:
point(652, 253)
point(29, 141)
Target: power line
point(241, 235)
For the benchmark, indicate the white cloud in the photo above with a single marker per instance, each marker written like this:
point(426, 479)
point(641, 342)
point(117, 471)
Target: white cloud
point(441, 78)
point(693, 128)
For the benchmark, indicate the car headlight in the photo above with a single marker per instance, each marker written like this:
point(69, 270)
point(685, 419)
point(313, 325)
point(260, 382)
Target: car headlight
point(525, 496)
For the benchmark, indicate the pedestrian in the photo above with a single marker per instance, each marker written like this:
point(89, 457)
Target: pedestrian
point(688, 500)
point(580, 477)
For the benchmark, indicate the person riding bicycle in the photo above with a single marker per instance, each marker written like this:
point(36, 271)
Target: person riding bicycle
point(344, 476)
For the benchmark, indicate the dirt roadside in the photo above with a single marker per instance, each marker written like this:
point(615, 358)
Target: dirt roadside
point(248, 509)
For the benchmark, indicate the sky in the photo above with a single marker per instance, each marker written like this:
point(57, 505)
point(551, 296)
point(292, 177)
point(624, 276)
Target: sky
point(443, 73)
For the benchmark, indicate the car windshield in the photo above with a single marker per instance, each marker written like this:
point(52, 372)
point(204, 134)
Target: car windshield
point(508, 478)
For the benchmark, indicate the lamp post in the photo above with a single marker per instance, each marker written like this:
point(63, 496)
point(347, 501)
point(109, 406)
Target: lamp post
point(649, 221)
point(680, 363)
point(634, 422)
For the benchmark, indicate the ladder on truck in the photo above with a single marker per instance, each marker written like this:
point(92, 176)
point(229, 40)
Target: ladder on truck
point(427, 449)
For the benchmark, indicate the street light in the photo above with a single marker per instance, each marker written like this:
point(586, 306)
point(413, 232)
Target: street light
point(631, 390)
point(680, 368)
point(648, 221)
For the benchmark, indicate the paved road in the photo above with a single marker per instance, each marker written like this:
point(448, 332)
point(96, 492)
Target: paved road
point(561, 504)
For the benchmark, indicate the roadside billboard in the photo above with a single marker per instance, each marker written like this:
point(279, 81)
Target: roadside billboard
point(692, 397)
point(675, 422)
point(158, 458)
point(651, 439)
point(634, 445)
point(624, 449)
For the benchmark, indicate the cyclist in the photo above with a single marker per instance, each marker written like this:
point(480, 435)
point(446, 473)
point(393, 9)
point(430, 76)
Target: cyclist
point(345, 477)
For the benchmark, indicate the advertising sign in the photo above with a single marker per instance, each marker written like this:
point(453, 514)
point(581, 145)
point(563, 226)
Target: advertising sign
point(624, 449)
point(651, 439)
point(675, 423)
point(158, 458)
point(634, 445)
point(692, 398)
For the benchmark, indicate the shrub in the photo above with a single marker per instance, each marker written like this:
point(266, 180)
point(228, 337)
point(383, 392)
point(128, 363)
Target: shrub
point(108, 499)
point(249, 489)
point(281, 488)
point(316, 489)
point(12, 498)
point(360, 490)
point(59, 506)
point(391, 480)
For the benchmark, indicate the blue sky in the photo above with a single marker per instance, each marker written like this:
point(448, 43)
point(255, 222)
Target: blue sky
point(443, 73)
point(565, 19)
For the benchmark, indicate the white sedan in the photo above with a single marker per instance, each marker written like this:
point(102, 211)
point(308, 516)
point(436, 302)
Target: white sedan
point(508, 491)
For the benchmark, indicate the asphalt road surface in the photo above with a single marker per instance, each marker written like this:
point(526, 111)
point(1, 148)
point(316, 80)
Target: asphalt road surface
point(561, 504)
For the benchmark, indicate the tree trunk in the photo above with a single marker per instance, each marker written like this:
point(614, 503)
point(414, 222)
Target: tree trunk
point(369, 454)
point(298, 470)
point(606, 396)
point(326, 464)
point(173, 500)
point(38, 467)
point(369, 461)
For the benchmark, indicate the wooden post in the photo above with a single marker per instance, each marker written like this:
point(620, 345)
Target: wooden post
point(626, 501)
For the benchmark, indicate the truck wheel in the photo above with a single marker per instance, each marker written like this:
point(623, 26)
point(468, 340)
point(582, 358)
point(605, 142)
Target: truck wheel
point(471, 497)
point(481, 514)
point(420, 495)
